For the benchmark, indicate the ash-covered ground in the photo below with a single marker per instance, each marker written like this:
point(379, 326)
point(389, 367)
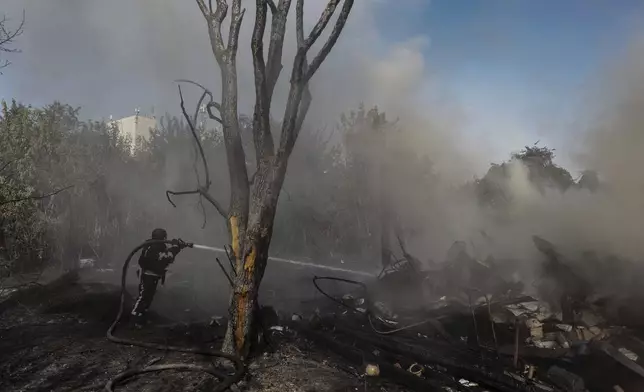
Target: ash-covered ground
point(457, 326)
point(52, 337)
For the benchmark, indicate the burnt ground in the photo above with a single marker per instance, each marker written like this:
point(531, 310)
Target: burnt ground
point(52, 338)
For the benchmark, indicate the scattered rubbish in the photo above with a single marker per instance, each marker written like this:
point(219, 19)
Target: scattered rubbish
point(372, 370)
point(296, 317)
point(415, 369)
point(467, 383)
point(458, 325)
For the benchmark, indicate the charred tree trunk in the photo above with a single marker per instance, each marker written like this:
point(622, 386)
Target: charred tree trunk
point(253, 203)
point(241, 333)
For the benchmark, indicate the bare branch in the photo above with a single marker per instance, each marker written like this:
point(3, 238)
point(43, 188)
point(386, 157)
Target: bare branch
point(299, 23)
point(8, 36)
point(202, 191)
point(262, 137)
point(203, 212)
point(237, 16)
point(226, 59)
point(333, 38)
point(196, 115)
point(307, 98)
point(198, 85)
point(278, 31)
point(272, 6)
point(225, 272)
point(214, 21)
point(222, 211)
point(209, 105)
point(205, 11)
point(211, 114)
point(180, 193)
point(36, 197)
point(196, 137)
point(230, 259)
point(322, 22)
point(299, 99)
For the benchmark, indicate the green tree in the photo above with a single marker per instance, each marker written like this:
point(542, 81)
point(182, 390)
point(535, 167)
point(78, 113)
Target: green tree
point(492, 190)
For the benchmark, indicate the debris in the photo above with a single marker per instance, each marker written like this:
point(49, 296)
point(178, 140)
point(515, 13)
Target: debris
point(467, 383)
point(536, 328)
point(566, 380)
point(415, 369)
point(564, 327)
point(296, 317)
point(469, 330)
point(86, 263)
point(628, 354)
point(215, 321)
point(372, 370)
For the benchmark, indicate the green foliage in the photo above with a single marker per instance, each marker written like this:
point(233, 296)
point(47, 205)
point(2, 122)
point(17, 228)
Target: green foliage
point(493, 189)
point(329, 208)
point(44, 150)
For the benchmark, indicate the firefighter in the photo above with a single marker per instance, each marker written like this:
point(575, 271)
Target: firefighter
point(153, 262)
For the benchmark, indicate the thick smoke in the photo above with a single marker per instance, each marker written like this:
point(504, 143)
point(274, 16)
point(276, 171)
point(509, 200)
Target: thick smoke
point(114, 56)
point(608, 221)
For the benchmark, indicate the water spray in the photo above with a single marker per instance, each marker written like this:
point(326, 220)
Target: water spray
point(204, 247)
point(292, 262)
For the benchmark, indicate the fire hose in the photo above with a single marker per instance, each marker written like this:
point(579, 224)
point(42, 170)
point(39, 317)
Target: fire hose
point(226, 379)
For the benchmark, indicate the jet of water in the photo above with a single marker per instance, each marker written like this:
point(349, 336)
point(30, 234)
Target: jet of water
point(293, 262)
point(210, 248)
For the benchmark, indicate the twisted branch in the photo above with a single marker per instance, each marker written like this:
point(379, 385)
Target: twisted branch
point(202, 191)
point(211, 103)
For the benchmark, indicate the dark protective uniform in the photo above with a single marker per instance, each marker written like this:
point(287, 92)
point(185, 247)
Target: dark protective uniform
point(154, 262)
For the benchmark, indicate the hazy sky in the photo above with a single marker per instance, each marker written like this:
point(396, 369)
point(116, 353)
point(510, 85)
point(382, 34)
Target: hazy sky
point(517, 70)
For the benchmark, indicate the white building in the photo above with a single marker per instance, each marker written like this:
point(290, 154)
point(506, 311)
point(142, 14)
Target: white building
point(135, 127)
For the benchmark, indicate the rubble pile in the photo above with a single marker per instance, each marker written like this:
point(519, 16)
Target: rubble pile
point(458, 326)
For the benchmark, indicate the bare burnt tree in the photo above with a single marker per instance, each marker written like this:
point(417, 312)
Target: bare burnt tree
point(253, 201)
point(8, 36)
